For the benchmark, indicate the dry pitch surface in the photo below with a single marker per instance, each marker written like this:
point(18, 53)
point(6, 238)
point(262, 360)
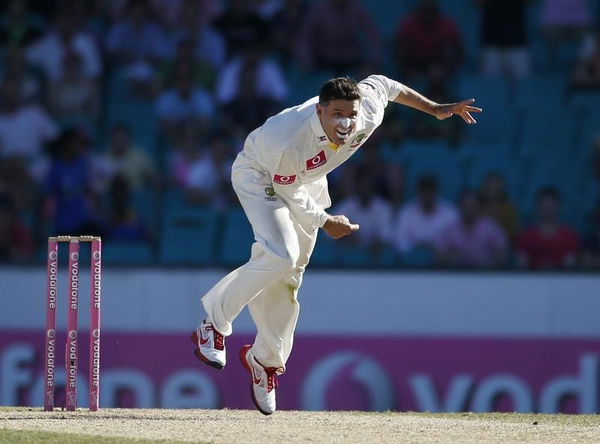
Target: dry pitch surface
point(124, 426)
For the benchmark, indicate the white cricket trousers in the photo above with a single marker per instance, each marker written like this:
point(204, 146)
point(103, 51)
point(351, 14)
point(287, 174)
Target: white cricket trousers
point(268, 283)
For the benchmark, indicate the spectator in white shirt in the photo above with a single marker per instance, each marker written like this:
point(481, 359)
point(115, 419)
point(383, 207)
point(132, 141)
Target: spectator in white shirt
point(193, 24)
point(208, 180)
point(184, 102)
point(371, 212)
point(66, 36)
point(24, 129)
point(251, 88)
point(138, 43)
point(421, 222)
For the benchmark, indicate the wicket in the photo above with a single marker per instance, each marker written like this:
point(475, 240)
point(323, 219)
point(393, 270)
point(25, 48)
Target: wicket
point(72, 349)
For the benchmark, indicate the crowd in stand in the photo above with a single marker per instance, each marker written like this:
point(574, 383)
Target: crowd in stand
point(213, 70)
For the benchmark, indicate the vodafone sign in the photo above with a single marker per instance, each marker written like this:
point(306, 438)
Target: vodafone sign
point(317, 161)
point(284, 180)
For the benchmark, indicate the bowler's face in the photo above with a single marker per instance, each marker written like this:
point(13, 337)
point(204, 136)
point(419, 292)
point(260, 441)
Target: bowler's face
point(338, 119)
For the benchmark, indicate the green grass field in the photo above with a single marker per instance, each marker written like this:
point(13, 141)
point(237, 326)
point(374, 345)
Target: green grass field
point(125, 426)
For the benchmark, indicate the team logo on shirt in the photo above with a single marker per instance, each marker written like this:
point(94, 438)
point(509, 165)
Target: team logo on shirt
point(317, 161)
point(357, 140)
point(322, 138)
point(284, 180)
point(270, 194)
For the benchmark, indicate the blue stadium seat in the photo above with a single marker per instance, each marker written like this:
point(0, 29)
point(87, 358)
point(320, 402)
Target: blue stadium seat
point(188, 236)
point(432, 157)
point(237, 239)
point(418, 257)
point(326, 253)
point(127, 253)
point(493, 94)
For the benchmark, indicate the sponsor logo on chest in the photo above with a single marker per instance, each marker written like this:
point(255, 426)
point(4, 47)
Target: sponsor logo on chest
point(317, 161)
point(284, 180)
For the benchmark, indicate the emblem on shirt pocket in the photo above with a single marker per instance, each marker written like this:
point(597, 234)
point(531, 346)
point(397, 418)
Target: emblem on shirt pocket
point(357, 140)
point(284, 180)
point(270, 194)
point(317, 161)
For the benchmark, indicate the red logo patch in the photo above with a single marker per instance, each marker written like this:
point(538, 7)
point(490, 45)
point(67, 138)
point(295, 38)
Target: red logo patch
point(284, 180)
point(316, 161)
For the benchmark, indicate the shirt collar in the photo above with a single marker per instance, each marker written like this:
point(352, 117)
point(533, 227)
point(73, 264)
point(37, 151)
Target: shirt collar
point(322, 139)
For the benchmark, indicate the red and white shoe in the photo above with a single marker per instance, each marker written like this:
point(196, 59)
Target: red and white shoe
point(210, 345)
point(263, 381)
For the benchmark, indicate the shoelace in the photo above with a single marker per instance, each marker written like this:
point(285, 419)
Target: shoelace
point(271, 378)
point(219, 339)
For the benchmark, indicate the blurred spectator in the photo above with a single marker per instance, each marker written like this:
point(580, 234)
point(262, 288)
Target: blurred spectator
point(16, 241)
point(497, 205)
point(184, 102)
point(186, 151)
point(428, 44)
point(242, 27)
point(17, 183)
point(122, 158)
point(206, 44)
point(286, 27)
point(204, 74)
point(70, 204)
point(124, 224)
point(168, 11)
point(331, 37)
point(267, 9)
point(24, 129)
point(65, 36)
point(16, 68)
point(18, 27)
point(372, 212)
point(209, 177)
point(421, 222)
point(473, 241)
point(591, 245)
point(251, 88)
point(74, 98)
point(587, 70)
point(137, 42)
point(504, 38)
point(596, 158)
point(548, 244)
point(564, 21)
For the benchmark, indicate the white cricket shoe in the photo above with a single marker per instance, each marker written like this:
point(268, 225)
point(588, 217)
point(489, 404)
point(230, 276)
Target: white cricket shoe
point(210, 345)
point(263, 381)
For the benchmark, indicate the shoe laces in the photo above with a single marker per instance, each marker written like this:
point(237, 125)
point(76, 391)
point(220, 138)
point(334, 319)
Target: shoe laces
point(218, 337)
point(271, 378)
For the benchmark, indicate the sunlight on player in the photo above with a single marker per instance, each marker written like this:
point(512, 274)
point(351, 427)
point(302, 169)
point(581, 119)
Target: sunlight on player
point(280, 180)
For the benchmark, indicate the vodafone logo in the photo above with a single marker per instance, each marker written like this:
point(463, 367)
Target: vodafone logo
point(316, 161)
point(284, 180)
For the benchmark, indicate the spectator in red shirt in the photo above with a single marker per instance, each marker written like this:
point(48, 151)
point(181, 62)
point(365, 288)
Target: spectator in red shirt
point(427, 43)
point(548, 244)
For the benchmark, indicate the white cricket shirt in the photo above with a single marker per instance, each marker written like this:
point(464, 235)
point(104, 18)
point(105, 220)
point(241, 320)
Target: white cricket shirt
point(292, 149)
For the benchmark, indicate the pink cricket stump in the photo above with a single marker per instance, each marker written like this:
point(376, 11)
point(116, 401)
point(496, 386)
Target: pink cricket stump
point(95, 300)
point(72, 351)
point(50, 348)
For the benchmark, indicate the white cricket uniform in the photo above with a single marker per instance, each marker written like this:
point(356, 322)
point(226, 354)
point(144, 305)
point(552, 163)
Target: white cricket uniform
point(280, 178)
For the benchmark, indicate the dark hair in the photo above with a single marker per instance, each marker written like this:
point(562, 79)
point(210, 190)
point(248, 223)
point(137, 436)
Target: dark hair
point(340, 88)
point(427, 182)
point(548, 192)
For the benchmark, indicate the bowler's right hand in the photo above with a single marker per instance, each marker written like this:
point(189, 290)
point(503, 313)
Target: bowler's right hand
point(339, 226)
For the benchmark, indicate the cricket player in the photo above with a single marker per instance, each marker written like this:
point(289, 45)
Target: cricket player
point(280, 178)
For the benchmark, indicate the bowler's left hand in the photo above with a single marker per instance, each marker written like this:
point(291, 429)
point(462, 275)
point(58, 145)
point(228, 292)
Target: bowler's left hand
point(462, 109)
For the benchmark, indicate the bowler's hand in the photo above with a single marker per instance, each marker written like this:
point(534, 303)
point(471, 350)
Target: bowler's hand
point(462, 109)
point(339, 226)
